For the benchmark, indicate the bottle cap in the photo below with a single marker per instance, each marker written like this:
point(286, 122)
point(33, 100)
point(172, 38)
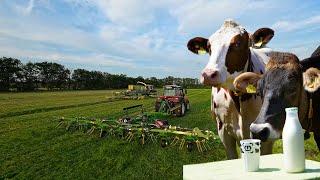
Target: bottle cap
point(292, 109)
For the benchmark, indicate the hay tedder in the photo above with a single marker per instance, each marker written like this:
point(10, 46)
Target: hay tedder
point(173, 101)
point(143, 127)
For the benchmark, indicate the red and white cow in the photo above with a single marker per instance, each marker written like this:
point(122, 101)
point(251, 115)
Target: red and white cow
point(231, 53)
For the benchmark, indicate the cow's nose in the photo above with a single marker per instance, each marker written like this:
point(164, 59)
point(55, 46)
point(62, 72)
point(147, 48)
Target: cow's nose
point(259, 133)
point(210, 77)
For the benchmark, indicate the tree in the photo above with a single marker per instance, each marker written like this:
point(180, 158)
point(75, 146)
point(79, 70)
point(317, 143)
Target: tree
point(169, 80)
point(97, 80)
point(53, 75)
point(29, 80)
point(10, 70)
point(81, 79)
point(29, 77)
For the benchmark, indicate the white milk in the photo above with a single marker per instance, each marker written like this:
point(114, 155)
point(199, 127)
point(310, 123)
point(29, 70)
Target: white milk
point(250, 153)
point(293, 142)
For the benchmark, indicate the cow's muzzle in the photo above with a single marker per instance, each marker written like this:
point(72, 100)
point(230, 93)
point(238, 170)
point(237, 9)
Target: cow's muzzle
point(210, 77)
point(259, 131)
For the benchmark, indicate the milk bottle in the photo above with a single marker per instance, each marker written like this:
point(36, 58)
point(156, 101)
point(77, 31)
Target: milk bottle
point(293, 142)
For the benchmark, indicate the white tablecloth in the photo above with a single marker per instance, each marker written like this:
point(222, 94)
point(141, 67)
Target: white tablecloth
point(270, 168)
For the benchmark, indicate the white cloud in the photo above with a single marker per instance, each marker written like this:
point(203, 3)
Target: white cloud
point(112, 32)
point(114, 64)
point(133, 13)
point(29, 7)
point(304, 50)
point(204, 15)
point(49, 32)
point(287, 26)
point(24, 9)
point(57, 56)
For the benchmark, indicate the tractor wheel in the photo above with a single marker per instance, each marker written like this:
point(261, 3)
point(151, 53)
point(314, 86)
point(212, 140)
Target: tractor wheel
point(164, 108)
point(189, 146)
point(164, 143)
point(182, 109)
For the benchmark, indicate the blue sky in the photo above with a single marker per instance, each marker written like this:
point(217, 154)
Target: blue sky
point(145, 37)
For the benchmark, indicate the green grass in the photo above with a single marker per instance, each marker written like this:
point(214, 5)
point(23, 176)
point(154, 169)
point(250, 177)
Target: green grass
point(11, 103)
point(32, 147)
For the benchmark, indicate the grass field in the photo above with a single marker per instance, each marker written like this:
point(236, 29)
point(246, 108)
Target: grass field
point(32, 147)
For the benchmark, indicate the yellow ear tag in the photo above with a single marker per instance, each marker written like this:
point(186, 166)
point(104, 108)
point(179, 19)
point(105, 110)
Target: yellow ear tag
point(259, 43)
point(251, 89)
point(202, 51)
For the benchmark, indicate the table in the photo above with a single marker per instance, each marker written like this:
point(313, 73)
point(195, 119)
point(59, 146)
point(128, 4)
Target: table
point(270, 168)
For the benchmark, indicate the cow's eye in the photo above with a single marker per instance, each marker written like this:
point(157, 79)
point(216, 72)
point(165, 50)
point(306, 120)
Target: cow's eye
point(237, 44)
point(259, 92)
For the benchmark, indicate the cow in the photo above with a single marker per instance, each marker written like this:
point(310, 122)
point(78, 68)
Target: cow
point(287, 82)
point(231, 52)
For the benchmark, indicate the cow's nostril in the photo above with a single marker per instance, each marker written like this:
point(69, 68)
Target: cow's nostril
point(214, 74)
point(262, 134)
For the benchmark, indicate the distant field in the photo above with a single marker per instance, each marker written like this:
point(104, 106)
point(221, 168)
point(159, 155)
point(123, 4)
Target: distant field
point(32, 147)
point(11, 103)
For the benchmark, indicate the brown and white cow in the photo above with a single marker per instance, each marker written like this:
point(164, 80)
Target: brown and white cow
point(231, 54)
point(287, 82)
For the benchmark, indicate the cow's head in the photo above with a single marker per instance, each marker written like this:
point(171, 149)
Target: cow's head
point(282, 86)
point(229, 51)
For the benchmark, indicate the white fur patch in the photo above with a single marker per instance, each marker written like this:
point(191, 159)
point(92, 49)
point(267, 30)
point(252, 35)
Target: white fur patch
point(259, 59)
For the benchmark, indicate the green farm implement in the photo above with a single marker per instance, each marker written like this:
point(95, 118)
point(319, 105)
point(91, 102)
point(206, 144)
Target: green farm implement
point(144, 127)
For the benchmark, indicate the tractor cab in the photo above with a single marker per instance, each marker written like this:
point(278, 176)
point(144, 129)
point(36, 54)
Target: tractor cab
point(173, 90)
point(173, 101)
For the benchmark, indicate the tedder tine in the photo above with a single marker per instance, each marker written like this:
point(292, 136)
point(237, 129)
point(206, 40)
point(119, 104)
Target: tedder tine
point(175, 141)
point(199, 146)
point(60, 123)
point(153, 138)
point(101, 132)
point(182, 143)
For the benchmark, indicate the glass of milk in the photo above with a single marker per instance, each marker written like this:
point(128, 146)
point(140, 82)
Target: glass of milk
point(250, 153)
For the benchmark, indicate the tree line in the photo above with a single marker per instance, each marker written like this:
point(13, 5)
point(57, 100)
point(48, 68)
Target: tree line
point(16, 76)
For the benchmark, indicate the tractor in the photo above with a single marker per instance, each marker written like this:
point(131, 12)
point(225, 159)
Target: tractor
point(173, 101)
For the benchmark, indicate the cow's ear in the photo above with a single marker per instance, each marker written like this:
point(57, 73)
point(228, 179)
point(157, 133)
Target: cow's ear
point(198, 45)
point(311, 79)
point(247, 82)
point(261, 37)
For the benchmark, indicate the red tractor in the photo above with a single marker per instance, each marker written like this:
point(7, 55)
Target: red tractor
point(173, 101)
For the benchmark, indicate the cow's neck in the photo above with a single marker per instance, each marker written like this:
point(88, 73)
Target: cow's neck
point(255, 63)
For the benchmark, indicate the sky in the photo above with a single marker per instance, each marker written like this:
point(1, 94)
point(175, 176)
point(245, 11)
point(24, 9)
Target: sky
point(145, 37)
